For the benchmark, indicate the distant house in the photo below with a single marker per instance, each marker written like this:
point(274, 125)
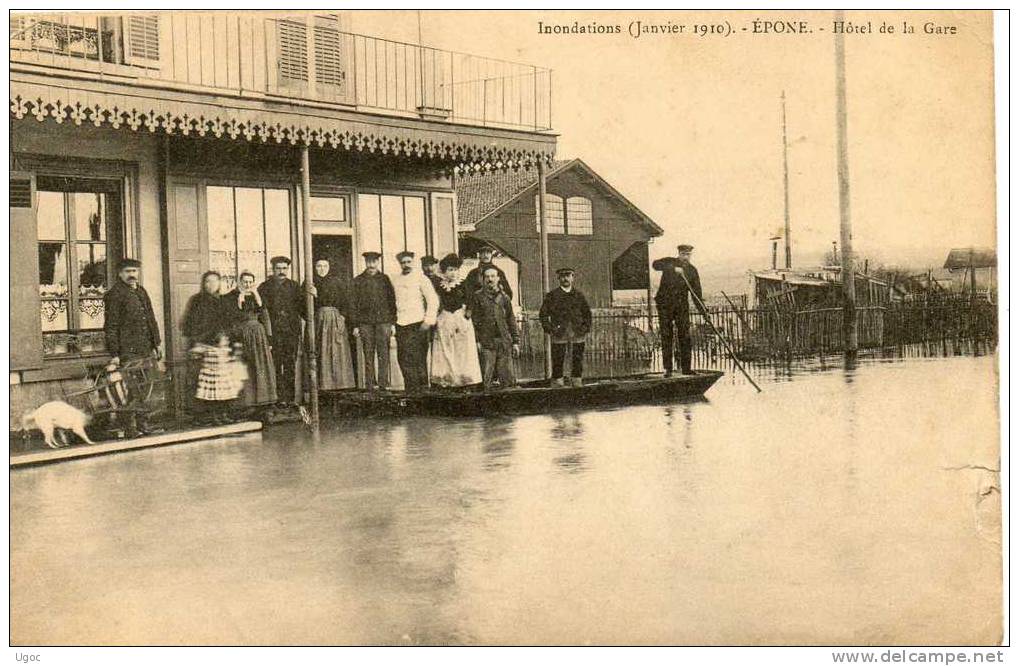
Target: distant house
point(972, 269)
point(592, 228)
point(820, 287)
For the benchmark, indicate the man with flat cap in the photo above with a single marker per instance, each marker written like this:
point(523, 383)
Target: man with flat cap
point(130, 328)
point(417, 306)
point(679, 279)
point(429, 264)
point(284, 301)
point(566, 318)
point(373, 315)
point(475, 279)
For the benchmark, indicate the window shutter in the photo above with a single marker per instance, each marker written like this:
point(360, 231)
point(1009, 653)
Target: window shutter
point(21, 191)
point(293, 50)
point(142, 38)
point(329, 68)
point(25, 325)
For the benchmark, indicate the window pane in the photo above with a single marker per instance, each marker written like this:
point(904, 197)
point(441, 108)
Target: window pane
point(91, 267)
point(219, 203)
point(392, 229)
point(444, 235)
point(414, 209)
point(578, 216)
point(53, 313)
point(91, 313)
point(329, 209)
point(554, 206)
point(52, 269)
point(369, 231)
point(277, 228)
point(250, 236)
point(90, 213)
point(50, 216)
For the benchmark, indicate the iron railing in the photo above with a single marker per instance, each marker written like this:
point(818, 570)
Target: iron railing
point(302, 58)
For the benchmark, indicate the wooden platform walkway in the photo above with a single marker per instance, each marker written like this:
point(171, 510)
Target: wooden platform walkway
point(116, 446)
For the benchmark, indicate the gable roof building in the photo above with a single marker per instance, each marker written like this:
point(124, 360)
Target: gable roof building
point(592, 227)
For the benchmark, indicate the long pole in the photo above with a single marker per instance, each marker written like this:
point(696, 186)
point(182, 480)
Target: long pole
point(849, 329)
point(309, 299)
point(725, 343)
point(546, 283)
point(785, 182)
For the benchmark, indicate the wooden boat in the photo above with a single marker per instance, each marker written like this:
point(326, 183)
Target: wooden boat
point(528, 397)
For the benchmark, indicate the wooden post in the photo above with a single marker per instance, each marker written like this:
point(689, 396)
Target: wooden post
point(545, 280)
point(309, 299)
point(849, 329)
point(785, 182)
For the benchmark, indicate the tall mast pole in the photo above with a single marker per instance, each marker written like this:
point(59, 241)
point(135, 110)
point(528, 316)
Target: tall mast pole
point(785, 182)
point(849, 330)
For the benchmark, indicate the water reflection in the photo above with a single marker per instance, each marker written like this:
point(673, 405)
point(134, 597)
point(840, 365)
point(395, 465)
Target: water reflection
point(734, 520)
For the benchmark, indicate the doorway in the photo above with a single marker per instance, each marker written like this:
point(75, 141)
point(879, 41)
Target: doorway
point(338, 250)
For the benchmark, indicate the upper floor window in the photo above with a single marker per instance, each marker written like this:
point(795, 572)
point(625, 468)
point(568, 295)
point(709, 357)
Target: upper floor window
point(579, 220)
point(556, 214)
point(570, 217)
point(128, 40)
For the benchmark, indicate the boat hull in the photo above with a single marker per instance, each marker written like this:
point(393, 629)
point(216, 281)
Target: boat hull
point(532, 397)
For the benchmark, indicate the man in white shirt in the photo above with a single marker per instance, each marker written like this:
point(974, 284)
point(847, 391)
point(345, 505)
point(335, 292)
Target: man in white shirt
point(417, 306)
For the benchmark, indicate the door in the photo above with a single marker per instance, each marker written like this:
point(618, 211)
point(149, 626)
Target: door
point(336, 249)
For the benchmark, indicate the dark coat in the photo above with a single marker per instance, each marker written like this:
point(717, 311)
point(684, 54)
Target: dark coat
point(208, 316)
point(284, 301)
point(250, 309)
point(131, 328)
point(493, 318)
point(374, 301)
point(474, 280)
point(333, 292)
point(673, 293)
point(565, 315)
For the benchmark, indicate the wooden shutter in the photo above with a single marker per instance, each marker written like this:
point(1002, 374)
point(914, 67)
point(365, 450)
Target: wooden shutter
point(329, 65)
point(293, 50)
point(25, 325)
point(185, 206)
point(141, 40)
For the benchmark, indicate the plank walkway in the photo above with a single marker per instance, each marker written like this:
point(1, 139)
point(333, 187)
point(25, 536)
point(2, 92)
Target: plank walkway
point(116, 446)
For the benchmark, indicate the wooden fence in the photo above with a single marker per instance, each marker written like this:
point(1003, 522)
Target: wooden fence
point(626, 341)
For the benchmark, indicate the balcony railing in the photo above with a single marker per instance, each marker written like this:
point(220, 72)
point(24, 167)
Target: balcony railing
point(303, 59)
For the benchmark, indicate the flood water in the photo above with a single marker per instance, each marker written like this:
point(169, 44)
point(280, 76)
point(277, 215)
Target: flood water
point(837, 507)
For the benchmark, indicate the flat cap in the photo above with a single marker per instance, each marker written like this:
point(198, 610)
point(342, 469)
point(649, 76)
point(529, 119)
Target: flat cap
point(128, 263)
point(371, 255)
point(280, 259)
point(564, 271)
point(684, 248)
point(400, 256)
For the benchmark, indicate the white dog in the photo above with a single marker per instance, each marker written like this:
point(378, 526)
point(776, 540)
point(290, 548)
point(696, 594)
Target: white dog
point(57, 414)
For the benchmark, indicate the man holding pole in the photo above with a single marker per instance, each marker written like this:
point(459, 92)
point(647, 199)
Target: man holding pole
point(679, 280)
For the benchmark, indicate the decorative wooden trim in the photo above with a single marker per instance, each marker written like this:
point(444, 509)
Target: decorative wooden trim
point(469, 149)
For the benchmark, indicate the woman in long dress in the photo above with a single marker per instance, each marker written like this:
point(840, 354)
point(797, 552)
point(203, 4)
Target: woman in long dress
point(207, 323)
point(454, 347)
point(332, 310)
point(251, 332)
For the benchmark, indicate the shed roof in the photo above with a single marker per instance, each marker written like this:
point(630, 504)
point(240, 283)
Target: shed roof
point(964, 257)
point(481, 195)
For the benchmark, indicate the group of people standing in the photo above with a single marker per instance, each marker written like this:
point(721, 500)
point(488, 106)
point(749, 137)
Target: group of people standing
point(449, 330)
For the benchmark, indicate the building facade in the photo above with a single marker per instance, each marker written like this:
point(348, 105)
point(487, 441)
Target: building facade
point(176, 138)
point(591, 226)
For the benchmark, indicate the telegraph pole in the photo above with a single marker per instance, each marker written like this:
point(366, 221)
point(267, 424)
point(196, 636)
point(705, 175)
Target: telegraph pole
point(845, 225)
point(785, 181)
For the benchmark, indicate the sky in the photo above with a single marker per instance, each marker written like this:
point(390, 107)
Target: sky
point(689, 128)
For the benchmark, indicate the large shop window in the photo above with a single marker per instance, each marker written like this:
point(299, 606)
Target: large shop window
point(78, 225)
point(248, 226)
point(391, 223)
